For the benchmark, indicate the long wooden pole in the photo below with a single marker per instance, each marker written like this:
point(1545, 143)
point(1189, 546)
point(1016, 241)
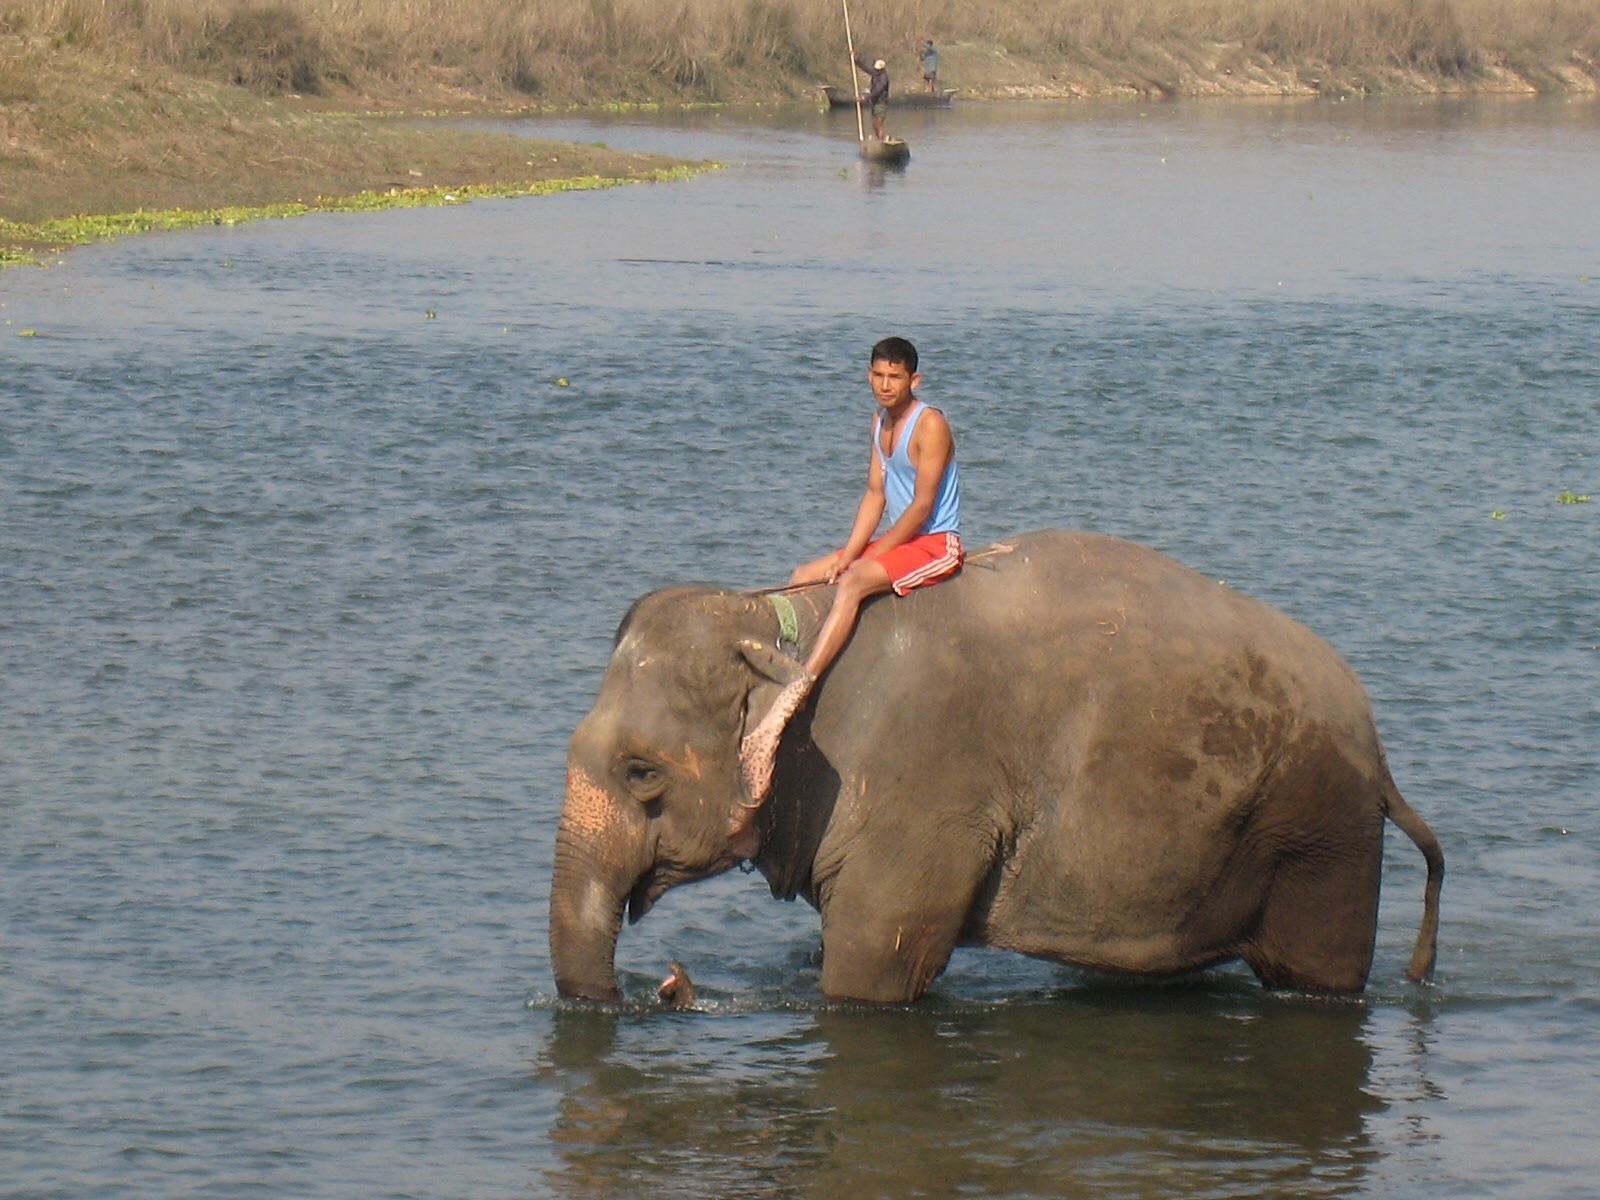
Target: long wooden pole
point(861, 128)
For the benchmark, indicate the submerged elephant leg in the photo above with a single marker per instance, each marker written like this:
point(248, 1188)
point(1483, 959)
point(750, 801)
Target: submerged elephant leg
point(888, 928)
point(886, 960)
point(1319, 921)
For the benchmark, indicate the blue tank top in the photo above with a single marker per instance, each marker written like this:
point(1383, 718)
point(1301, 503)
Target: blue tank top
point(900, 479)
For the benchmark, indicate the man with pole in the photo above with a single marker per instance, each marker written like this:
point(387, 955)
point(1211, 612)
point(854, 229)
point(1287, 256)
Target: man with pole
point(877, 95)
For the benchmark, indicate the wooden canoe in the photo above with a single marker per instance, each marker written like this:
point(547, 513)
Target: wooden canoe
point(891, 150)
point(836, 97)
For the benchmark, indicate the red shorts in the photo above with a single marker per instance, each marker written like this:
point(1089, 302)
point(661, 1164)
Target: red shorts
point(926, 558)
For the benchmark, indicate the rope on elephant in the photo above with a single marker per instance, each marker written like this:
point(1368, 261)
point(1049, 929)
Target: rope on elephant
point(789, 589)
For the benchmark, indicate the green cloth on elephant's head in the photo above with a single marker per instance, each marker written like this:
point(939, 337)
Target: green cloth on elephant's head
point(788, 621)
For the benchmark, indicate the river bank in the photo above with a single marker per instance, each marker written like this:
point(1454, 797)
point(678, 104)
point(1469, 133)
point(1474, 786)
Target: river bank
point(177, 111)
point(109, 149)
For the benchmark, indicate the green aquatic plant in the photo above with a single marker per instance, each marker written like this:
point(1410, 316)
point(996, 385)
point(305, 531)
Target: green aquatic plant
point(82, 230)
point(1570, 497)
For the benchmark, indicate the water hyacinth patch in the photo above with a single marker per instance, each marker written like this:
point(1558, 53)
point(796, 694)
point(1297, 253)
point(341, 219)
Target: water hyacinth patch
point(82, 230)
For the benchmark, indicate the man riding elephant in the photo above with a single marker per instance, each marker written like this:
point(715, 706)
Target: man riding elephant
point(914, 482)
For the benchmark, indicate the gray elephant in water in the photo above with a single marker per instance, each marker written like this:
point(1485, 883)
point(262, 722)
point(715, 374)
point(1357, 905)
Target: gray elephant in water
point(1077, 749)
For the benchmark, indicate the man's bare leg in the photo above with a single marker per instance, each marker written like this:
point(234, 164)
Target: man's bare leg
point(862, 580)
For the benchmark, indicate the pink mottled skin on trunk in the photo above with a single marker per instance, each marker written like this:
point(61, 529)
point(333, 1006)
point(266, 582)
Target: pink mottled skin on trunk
point(590, 810)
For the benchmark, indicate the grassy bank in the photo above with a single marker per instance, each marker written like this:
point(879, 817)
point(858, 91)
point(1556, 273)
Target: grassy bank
point(111, 106)
point(97, 140)
point(564, 51)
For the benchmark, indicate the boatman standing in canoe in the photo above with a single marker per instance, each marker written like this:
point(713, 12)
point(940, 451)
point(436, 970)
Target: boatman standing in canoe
point(877, 94)
point(912, 480)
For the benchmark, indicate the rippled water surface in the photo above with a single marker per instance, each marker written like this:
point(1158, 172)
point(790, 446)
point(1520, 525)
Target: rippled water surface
point(315, 534)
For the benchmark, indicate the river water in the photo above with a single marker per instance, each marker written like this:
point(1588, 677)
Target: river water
point(315, 534)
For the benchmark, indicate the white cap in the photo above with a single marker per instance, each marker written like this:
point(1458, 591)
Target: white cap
point(879, 65)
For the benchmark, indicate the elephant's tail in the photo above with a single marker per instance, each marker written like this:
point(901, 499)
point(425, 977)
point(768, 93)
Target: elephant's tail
point(1414, 827)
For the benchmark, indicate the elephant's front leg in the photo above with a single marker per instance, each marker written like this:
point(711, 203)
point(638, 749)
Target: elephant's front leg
point(888, 927)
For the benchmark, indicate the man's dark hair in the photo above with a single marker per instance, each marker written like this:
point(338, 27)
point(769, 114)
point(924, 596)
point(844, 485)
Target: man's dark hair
point(896, 350)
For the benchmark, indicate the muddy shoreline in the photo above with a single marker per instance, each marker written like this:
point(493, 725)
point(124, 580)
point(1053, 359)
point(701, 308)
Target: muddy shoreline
point(92, 147)
point(125, 153)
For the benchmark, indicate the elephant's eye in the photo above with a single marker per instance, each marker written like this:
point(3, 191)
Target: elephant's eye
point(645, 780)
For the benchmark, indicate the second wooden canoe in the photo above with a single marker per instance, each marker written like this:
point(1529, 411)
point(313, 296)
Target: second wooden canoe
point(836, 97)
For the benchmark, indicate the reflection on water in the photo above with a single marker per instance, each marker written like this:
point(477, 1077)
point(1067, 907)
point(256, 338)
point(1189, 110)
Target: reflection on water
point(876, 175)
point(1099, 1093)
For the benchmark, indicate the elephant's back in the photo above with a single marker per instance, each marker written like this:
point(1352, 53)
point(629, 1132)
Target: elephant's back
point(1052, 574)
point(1070, 581)
point(1044, 621)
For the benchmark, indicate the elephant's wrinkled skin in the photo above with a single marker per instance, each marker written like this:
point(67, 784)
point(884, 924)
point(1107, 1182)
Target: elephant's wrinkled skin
point(1077, 749)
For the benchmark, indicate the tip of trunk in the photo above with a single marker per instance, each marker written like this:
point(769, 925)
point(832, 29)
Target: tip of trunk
point(589, 991)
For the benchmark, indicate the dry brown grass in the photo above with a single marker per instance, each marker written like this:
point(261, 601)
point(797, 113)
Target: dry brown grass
point(588, 50)
point(130, 141)
point(93, 120)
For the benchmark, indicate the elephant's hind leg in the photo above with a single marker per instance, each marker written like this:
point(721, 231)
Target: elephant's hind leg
point(1319, 920)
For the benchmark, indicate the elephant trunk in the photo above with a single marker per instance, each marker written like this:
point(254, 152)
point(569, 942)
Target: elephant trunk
point(585, 917)
point(595, 868)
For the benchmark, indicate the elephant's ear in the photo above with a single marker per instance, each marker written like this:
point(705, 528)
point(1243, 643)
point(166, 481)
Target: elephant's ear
point(776, 672)
point(781, 690)
point(770, 662)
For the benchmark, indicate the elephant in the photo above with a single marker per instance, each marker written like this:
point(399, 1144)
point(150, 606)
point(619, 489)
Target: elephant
point(1077, 748)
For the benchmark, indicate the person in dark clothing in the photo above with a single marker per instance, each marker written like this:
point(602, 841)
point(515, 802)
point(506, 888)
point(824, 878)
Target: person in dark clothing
point(877, 93)
point(930, 64)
